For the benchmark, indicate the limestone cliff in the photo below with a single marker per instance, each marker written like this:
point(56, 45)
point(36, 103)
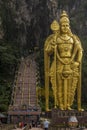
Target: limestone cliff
point(28, 21)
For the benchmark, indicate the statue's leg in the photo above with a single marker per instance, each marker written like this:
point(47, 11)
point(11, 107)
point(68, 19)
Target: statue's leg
point(60, 92)
point(53, 82)
point(73, 89)
point(69, 87)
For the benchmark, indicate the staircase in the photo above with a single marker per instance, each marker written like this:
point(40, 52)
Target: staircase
point(24, 97)
point(25, 89)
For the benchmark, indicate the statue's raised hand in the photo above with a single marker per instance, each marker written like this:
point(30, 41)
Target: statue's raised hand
point(53, 44)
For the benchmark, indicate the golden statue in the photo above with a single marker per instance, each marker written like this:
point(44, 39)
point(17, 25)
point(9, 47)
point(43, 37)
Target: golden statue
point(63, 55)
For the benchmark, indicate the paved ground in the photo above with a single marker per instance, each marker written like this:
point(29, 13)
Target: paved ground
point(29, 129)
point(36, 129)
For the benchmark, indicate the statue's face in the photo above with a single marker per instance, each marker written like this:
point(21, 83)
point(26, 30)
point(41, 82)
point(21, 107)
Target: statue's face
point(65, 27)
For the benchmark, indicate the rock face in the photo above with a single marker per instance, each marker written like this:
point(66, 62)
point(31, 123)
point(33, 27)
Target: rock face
point(30, 19)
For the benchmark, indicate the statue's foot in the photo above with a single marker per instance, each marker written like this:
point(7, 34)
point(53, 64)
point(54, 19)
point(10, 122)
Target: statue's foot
point(69, 108)
point(47, 109)
point(80, 109)
point(61, 108)
point(55, 106)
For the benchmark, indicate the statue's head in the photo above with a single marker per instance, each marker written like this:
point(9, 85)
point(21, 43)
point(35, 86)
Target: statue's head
point(64, 23)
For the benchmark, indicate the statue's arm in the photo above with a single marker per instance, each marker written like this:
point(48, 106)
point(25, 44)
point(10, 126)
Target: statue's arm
point(79, 52)
point(48, 48)
point(79, 57)
point(49, 45)
point(78, 49)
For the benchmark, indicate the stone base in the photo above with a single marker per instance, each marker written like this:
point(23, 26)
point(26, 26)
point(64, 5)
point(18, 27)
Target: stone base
point(65, 128)
point(60, 118)
point(17, 114)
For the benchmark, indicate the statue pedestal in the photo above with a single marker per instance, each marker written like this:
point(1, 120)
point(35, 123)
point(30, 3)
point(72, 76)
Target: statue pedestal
point(60, 119)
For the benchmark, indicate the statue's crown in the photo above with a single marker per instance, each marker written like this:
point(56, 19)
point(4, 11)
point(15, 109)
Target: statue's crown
point(63, 14)
point(64, 17)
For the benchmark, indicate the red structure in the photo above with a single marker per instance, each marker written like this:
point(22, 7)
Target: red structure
point(24, 105)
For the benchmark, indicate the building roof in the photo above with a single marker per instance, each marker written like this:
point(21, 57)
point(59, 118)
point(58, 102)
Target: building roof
point(2, 115)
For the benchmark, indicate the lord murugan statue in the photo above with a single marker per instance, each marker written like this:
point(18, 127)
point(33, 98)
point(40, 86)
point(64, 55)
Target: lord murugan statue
point(62, 58)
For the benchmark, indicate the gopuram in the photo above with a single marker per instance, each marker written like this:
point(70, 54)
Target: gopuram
point(63, 58)
point(24, 106)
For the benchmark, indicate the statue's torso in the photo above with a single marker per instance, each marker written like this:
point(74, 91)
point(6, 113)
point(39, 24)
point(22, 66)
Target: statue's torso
point(65, 47)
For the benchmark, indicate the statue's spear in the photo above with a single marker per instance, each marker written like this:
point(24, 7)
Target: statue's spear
point(55, 29)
